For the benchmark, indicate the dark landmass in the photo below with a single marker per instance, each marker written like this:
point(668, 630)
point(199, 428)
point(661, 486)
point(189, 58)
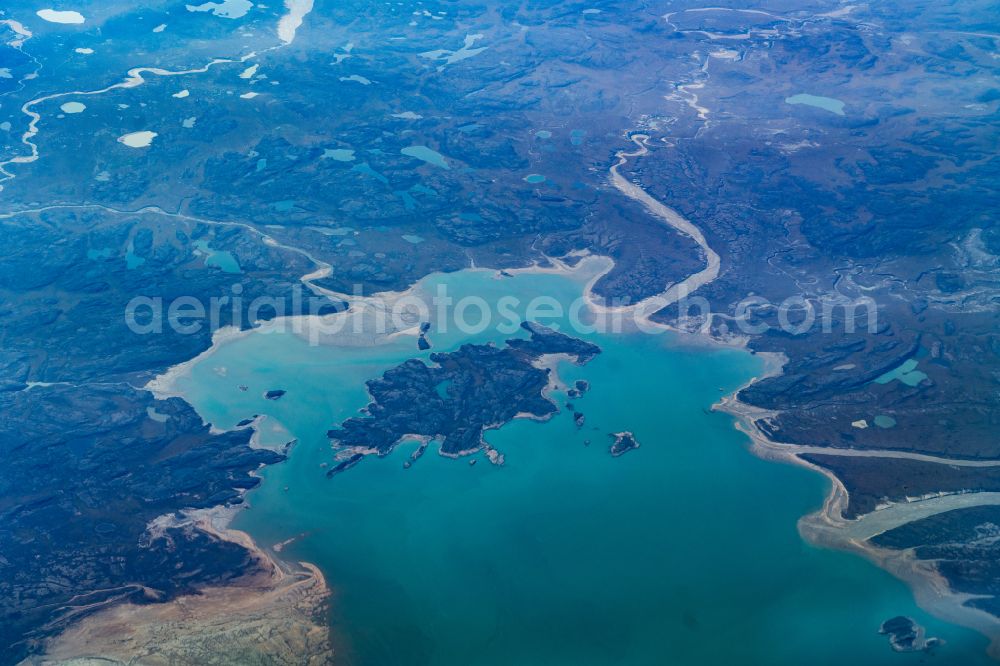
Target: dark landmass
point(67, 278)
point(483, 387)
point(85, 475)
point(964, 544)
point(89, 467)
point(874, 481)
point(344, 465)
point(423, 344)
point(250, 161)
point(905, 635)
point(623, 443)
point(545, 341)
point(580, 387)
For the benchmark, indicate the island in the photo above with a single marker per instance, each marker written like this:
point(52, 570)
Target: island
point(623, 443)
point(459, 395)
point(905, 635)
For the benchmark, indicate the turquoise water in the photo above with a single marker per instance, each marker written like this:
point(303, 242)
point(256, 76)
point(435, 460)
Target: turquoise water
point(883, 421)
point(222, 259)
point(826, 103)
point(132, 260)
point(906, 373)
point(684, 551)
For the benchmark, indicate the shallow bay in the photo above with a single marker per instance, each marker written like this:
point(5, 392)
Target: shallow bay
point(684, 551)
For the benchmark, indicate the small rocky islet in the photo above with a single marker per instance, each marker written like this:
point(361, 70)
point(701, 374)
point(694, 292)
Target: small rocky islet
point(905, 635)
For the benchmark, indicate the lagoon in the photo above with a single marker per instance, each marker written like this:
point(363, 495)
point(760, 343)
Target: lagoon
point(684, 551)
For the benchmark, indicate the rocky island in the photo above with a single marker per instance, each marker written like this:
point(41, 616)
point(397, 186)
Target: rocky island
point(623, 443)
point(460, 396)
point(905, 635)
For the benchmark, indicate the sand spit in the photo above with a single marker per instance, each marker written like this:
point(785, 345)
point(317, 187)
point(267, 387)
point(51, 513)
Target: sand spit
point(274, 616)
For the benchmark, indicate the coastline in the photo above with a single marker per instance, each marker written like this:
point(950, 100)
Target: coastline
point(275, 612)
point(825, 527)
point(164, 386)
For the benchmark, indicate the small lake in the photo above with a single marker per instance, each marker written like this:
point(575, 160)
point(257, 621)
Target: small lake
point(230, 9)
point(142, 139)
point(220, 259)
point(66, 17)
point(427, 155)
point(907, 373)
point(73, 107)
point(826, 103)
